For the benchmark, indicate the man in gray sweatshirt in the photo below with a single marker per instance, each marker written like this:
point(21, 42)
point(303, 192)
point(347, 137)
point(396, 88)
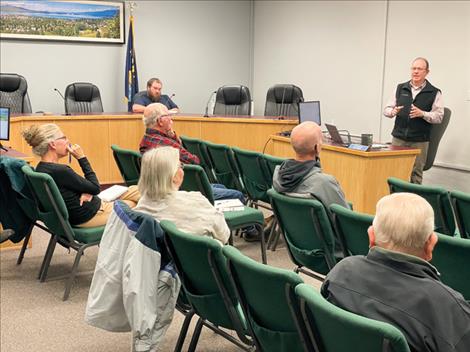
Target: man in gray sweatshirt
point(302, 176)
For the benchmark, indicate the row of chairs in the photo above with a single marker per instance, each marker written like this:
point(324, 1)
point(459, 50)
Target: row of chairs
point(232, 167)
point(79, 97)
point(447, 206)
point(281, 100)
point(226, 289)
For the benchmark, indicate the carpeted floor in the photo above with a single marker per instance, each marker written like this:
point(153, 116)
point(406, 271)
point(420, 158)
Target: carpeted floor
point(33, 316)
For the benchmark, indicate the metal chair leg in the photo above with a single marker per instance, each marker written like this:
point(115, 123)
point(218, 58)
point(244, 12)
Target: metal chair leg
point(276, 240)
point(263, 244)
point(196, 334)
point(184, 331)
point(23, 248)
point(47, 258)
point(69, 283)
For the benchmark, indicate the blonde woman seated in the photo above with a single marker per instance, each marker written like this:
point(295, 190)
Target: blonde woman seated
point(160, 179)
point(79, 193)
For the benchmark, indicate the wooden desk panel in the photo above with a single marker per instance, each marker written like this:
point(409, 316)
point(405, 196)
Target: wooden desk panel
point(96, 132)
point(362, 175)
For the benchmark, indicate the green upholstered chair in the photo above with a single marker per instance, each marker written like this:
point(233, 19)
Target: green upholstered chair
point(332, 329)
point(128, 163)
point(198, 147)
point(54, 214)
point(269, 165)
point(250, 165)
point(209, 292)
point(195, 179)
point(308, 233)
point(438, 197)
point(263, 292)
point(461, 205)
point(351, 228)
point(451, 257)
point(224, 165)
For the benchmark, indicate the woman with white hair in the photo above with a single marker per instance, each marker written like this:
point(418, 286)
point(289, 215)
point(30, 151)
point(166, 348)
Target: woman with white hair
point(160, 179)
point(85, 208)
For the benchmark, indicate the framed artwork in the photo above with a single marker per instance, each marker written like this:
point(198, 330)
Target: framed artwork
point(84, 21)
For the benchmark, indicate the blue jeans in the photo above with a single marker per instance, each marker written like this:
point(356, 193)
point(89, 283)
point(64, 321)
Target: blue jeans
point(221, 192)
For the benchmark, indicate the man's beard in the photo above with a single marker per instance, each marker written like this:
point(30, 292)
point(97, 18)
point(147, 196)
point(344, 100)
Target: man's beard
point(155, 98)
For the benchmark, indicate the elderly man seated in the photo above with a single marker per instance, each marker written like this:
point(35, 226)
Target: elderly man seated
point(395, 282)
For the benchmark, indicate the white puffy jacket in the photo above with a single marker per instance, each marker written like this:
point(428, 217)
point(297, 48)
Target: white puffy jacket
point(135, 286)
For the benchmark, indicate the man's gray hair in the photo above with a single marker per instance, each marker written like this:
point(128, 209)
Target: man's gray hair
point(152, 113)
point(404, 220)
point(159, 166)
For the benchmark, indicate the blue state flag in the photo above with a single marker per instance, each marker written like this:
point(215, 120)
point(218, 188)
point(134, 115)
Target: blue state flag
point(131, 82)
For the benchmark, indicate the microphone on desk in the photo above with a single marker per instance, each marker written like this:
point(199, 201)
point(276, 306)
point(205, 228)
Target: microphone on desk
point(63, 98)
point(206, 114)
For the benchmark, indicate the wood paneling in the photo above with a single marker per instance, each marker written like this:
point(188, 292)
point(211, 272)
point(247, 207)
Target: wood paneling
point(362, 175)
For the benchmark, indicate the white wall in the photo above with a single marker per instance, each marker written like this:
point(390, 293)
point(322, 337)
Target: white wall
point(350, 55)
point(193, 46)
point(447, 46)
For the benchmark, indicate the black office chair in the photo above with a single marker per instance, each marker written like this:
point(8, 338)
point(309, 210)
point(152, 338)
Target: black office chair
point(82, 97)
point(233, 100)
point(14, 93)
point(437, 131)
point(283, 100)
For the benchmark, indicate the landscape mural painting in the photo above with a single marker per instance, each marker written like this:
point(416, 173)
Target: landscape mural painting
point(91, 21)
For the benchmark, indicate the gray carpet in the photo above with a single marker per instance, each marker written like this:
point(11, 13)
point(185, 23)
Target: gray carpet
point(34, 318)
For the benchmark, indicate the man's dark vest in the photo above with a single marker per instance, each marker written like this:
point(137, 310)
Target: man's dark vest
point(417, 129)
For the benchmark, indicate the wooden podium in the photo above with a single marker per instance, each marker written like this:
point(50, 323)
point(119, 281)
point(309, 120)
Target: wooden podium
point(362, 175)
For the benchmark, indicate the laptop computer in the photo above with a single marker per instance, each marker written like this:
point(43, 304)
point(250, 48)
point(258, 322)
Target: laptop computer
point(335, 136)
point(309, 111)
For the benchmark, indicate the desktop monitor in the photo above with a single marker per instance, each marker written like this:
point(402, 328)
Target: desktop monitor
point(4, 124)
point(309, 111)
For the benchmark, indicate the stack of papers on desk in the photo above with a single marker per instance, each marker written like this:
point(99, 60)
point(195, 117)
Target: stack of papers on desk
point(113, 193)
point(229, 205)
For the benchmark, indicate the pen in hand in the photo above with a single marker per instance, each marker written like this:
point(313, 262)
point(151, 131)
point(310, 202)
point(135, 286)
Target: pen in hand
point(70, 154)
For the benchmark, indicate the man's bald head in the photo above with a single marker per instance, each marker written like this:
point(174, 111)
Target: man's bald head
point(306, 140)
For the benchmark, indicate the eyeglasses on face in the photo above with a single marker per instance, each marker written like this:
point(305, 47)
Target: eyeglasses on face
point(63, 137)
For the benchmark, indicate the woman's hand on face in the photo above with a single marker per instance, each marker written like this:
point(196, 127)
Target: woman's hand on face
point(76, 151)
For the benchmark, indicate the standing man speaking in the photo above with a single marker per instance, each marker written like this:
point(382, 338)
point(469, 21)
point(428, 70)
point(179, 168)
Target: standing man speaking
point(416, 105)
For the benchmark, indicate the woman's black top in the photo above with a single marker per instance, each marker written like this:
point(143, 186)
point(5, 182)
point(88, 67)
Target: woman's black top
point(71, 186)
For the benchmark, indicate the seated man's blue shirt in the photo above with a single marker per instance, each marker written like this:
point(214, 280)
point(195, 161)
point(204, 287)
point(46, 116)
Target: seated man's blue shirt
point(144, 99)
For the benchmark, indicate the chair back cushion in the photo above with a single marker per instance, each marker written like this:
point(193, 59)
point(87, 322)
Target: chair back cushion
point(450, 257)
point(232, 100)
point(82, 98)
point(128, 162)
point(307, 230)
point(438, 197)
point(437, 131)
point(196, 180)
point(461, 205)
point(251, 171)
point(191, 258)
point(352, 228)
point(337, 330)
point(283, 100)
point(14, 93)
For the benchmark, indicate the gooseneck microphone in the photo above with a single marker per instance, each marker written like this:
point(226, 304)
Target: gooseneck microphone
point(63, 98)
point(206, 114)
